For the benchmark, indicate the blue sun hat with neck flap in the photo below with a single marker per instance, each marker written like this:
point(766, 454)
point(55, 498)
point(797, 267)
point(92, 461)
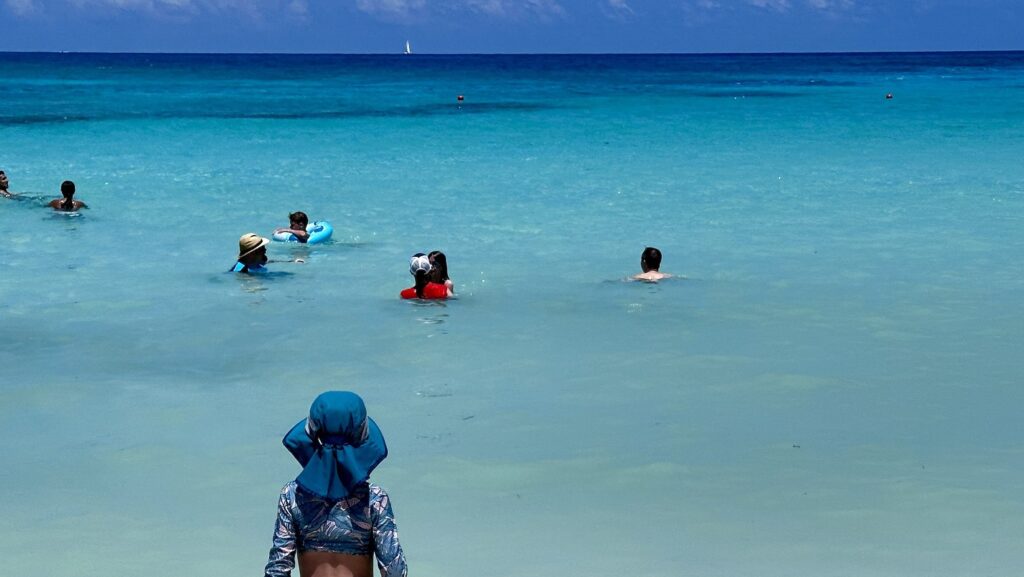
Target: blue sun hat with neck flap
point(338, 446)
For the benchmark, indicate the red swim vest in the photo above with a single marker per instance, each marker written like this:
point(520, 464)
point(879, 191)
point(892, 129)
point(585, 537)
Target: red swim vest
point(433, 290)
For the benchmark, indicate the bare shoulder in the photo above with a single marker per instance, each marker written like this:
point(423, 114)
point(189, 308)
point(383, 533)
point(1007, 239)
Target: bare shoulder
point(651, 276)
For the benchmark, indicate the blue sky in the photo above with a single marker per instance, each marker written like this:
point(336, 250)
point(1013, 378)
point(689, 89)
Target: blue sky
point(488, 26)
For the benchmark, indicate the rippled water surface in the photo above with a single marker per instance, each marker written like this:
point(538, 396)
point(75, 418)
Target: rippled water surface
point(833, 389)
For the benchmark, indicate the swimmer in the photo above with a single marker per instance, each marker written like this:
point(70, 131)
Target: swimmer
point(68, 203)
point(419, 267)
point(3, 186)
point(439, 271)
point(650, 262)
point(252, 254)
point(298, 222)
point(331, 518)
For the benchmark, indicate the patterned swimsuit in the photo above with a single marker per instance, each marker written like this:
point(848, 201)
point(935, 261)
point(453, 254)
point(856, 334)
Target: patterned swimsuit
point(361, 524)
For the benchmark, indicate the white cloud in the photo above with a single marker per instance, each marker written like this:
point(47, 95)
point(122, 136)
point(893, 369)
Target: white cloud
point(299, 8)
point(545, 7)
point(514, 9)
point(391, 8)
point(777, 5)
point(620, 6)
point(838, 8)
point(255, 9)
point(828, 6)
point(394, 10)
point(22, 7)
point(489, 7)
point(618, 10)
point(831, 5)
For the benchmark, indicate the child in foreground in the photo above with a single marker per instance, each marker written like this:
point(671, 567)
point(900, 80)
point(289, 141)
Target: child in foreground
point(331, 517)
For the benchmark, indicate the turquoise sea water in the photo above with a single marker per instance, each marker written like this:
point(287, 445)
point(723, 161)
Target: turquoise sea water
point(835, 388)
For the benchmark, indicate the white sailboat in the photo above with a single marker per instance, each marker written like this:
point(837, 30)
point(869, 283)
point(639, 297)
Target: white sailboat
point(408, 47)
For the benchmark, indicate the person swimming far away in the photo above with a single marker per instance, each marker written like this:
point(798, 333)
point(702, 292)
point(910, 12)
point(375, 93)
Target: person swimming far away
point(68, 202)
point(650, 263)
point(4, 183)
point(331, 518)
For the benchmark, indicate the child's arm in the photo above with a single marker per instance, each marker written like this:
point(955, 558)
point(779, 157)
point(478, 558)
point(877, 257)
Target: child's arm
point(299, 233)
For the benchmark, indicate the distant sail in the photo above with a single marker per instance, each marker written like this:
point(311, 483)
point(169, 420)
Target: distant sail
point(408, 48)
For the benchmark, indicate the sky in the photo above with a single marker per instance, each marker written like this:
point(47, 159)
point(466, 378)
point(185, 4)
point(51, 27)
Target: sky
point(510, 26)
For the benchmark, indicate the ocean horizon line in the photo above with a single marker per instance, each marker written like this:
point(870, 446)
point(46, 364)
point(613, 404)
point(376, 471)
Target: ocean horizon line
point(516, 54)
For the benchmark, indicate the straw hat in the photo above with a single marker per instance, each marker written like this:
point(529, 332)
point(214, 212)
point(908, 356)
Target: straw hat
point(249, 243)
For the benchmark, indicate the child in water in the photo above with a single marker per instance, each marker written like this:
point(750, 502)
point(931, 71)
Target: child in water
point(439, 271)
point(298, 221)
point(419, 267)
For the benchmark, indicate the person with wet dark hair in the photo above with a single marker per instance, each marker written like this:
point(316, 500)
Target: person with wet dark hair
point(650, 263)
point(3, 185)
point(68, 203)
point(298, 221)
point(419, 267)
point(439, 270)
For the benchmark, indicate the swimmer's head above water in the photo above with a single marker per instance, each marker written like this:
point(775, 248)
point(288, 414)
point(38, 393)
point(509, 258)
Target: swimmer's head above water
point(252, 249)
point(438, 266)
point(68, 203)
point(419, 263)
point(650, 263)
point(298, 219)
point(650, 259)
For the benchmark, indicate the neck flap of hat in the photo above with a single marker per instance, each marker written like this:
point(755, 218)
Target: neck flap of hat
point(338, 446)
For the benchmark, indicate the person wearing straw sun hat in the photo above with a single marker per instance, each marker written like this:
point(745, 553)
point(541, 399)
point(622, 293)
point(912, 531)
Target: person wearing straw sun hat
point(331, 517)
point(252, 254)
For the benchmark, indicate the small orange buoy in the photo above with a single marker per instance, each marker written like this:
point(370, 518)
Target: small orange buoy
point(461, 98)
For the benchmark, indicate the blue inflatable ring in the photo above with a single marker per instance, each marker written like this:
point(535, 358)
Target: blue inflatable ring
point(319, 231)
